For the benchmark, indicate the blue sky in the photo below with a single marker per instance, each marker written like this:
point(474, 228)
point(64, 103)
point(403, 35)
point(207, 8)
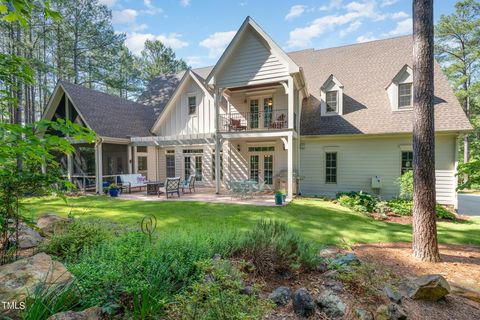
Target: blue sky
point(199, 30)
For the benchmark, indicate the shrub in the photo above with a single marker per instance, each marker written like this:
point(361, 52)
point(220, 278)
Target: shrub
point(404, 207)
point(357, 201)
point(77, 236)
point(405, 182)
point(273, 247)
point(142, 277)
point(401, 206)
point(382, 207)
point(218, 294)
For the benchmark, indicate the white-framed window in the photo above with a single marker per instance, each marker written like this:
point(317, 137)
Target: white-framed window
point(404, 95)
point(142, 149)
point(142, 164)
point(331, 167)
point(331, 99)
point(192, 105)
point(170, 165)
point(407, 161)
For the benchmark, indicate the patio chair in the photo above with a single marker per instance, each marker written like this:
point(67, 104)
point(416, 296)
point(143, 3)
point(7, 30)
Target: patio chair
point(236, 125)
point(237, 189)
point(258, 188)
point(188, 184)
point(172, 185)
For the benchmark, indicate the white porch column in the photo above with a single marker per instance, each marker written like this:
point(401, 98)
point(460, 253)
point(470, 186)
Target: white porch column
point(216, 106)
point(290, 166)
point(129, 159)
point(99, 167)
point(135, 160)
point(69, 167)
point(291, 104)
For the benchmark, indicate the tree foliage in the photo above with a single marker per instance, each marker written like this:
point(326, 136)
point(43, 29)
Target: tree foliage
point(158, 59)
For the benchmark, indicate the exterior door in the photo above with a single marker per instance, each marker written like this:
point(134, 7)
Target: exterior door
point(193, 165)
point(261, 168)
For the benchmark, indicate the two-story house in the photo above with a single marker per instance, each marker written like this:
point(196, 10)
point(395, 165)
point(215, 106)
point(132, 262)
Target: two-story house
point(316, 121)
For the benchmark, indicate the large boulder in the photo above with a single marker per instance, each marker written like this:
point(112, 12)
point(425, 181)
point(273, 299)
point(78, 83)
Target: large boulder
point(363, 314)
point(391, 312)
point(349, 259)
point(331, 304)
point(50, 222)
point(392, 294)
point(281, 296)
point(93, 313)
point(431, 287)
point(21, 277)
point(27, 237)
point(303, 303)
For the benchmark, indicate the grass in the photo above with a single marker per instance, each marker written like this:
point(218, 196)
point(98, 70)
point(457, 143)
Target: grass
point(317, 220)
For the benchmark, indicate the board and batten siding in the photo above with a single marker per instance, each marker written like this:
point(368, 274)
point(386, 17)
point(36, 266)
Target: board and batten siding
point(250, 63)
point(177, 121)
point(360, 159)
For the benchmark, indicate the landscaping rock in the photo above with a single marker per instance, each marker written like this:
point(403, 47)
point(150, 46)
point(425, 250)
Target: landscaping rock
point(329, 252)
point(331, 304)
point(334, 285)
point(363, 314)
point(430, 287)
point(93, 313)
point(248, 290)
point(392, 294)
point(50, 222)
point(281, 296)
point(350, 259)
point(27, 237)
point(332, 274)
point(21, 277)
point(382, 313)
point(395, 312)
point(303, 303)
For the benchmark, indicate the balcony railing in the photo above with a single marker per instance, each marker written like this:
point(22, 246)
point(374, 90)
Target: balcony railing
point(251, 121)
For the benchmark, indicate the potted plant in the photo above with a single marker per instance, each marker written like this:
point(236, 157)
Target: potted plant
point(113, 190)
point(283, 192)
point(278, 197)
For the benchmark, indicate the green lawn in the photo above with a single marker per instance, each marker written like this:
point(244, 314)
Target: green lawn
point(318, 220)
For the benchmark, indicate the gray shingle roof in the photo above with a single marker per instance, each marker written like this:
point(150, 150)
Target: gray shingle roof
point(366, 70)
point(108, 115)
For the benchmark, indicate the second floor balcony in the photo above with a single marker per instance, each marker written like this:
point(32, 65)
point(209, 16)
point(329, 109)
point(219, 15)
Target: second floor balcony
point(276, 119)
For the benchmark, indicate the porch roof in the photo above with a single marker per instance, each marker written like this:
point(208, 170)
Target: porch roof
point(188, 139)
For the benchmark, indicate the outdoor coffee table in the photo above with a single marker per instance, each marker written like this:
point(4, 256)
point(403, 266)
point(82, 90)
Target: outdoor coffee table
point(153, 186)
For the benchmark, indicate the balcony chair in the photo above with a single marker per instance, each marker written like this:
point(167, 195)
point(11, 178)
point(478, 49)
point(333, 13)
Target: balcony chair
point(236, 125)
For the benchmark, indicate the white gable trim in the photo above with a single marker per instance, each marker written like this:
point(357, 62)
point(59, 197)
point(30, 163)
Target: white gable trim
point(178, 91)
point(56, 97)
point(292, 67)
point(331, 84)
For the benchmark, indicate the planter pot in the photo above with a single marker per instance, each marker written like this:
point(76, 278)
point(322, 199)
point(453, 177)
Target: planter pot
point(278, 199)
point(113, 192)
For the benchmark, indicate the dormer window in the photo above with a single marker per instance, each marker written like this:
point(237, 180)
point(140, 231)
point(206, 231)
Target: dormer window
point(331, 97)
point(332, 101)
point(400, 90)
point(404, 95)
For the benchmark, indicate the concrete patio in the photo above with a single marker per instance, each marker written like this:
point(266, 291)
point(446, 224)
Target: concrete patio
point(205, 195)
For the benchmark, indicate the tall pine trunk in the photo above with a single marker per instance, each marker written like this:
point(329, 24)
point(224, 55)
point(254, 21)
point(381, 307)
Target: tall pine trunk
point(425, 246)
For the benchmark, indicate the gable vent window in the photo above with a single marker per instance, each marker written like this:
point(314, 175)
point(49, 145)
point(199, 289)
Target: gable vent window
point(192, 105)
point(331, 100)
point(404, 95)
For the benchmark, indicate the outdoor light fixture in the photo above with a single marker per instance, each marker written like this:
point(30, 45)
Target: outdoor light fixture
point(238, 147)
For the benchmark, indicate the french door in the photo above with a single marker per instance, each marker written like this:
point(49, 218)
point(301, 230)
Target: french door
point(193, 165)
point(261, 167)
point(261, 108)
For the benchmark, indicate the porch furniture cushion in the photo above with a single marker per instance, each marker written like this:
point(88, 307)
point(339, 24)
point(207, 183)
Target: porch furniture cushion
point(279, 123)
point(133, 180)
point(236, 125)
point(172, 186)
point(189, 184)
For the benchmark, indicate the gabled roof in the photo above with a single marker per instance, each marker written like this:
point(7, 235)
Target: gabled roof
point(366, 69)
point(330, 79)
point(107, 115)
point(189, 74)
point(249, 22)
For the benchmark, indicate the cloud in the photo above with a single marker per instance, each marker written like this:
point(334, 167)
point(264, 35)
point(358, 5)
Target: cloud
point(184, 3)
point(333, 4)
point(151, 9)
point(125, 16)
point(366, 37)
point(351, 28)
point(399, 15)
point(303, 36)
point(295, 12)
point(135, 41)
point(403, 27)
point(217, 42)
point(193, 60)
point(387, 3)
point(108, 3)
point(243, 3)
